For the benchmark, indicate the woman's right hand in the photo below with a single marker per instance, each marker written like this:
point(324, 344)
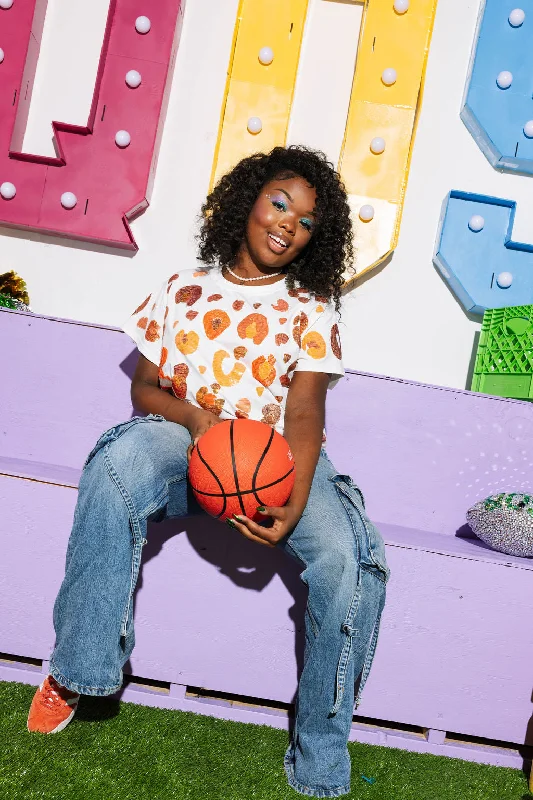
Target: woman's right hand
point(199, 423)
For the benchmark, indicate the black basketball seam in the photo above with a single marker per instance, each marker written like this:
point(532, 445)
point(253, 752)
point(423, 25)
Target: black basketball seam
point(215, 476)
point(243, 491)
point(265, 451)
point(235, 476)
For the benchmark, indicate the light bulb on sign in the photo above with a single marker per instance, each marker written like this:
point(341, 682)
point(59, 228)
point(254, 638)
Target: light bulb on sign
point(377, 145)
point(133, 78)
point(517, 17)
point(389, 76)
point(528, 129)
point(122, 138)
point(142, 25)
point(504, 79)
point(6, 4)
point(476, 223)
point(401, 6)
point(504, 280)
point(255, 125)
point(366, 213)
point(8, 190)
point(68, 200)
point(266, 56)
point(1, 55)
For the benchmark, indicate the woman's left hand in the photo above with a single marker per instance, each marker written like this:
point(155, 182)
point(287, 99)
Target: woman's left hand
point(284, 521)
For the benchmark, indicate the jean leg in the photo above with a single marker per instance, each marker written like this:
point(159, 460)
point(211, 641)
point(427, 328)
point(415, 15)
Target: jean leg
point(136, 469)
point(346, 572)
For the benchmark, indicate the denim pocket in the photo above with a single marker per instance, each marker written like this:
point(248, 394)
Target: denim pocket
point(117, 430)
point(372, 547)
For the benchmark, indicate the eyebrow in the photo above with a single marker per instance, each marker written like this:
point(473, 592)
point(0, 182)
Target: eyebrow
point(308, 213)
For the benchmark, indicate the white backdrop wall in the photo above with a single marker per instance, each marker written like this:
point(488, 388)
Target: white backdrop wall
point(402, 320)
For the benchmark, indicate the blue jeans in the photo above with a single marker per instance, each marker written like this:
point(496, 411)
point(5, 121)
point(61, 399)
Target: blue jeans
point(138, 470)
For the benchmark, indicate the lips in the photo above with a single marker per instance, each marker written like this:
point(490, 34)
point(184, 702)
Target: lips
point(278, 244)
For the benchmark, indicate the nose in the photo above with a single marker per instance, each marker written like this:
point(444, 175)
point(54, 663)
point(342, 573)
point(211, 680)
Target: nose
point(288, 223)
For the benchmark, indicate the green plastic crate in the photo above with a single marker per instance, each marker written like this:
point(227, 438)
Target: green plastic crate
point(504, 361)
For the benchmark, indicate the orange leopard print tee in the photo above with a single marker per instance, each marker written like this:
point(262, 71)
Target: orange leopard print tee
point(233, 350)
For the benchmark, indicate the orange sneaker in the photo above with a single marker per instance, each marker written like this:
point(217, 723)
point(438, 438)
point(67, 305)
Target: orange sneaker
point(52, 707)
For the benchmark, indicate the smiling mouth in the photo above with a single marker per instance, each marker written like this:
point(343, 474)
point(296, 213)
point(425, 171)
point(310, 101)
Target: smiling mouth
point(276, 243)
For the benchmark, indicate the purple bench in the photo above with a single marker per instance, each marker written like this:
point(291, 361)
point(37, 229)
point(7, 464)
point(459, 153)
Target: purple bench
point(218, 619)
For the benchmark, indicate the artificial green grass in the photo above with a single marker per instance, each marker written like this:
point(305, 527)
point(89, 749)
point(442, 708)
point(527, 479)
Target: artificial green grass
point(113, 751)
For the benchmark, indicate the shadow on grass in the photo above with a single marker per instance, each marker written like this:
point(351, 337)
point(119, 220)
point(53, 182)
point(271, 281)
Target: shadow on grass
point(97, 709)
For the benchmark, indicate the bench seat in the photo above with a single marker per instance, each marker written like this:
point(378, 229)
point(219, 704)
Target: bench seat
point(470, 548)
point(215, 611)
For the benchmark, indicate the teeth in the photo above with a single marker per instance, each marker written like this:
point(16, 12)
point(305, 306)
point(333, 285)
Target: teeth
point(278, 240)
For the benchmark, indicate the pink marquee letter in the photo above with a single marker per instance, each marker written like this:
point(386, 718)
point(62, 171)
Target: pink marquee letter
point(109, 182)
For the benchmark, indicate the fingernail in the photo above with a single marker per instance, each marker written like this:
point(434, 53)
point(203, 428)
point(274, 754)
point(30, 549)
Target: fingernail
point(231, 523)
point(238, 517)
point(261, 509)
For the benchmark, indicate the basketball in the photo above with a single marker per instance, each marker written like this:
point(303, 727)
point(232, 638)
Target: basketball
point(239, 465)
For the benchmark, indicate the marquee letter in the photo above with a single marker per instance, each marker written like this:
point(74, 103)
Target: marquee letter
point(496, 109)
point(110, 183)
point(387, 39)
point(472, 261)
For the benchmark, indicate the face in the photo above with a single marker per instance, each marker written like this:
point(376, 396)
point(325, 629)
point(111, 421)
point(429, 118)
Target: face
point(281, 222)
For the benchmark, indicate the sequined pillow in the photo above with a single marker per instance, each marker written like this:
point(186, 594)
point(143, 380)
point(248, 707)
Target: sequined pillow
point(505, 523)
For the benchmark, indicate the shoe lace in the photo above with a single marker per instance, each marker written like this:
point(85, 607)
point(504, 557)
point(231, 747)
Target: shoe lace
point(50, 696)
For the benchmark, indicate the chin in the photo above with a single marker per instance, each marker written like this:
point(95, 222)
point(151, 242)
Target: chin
point(279, 260)
point(270, 260)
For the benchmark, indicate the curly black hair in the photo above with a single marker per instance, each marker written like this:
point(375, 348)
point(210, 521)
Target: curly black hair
point(320, 267)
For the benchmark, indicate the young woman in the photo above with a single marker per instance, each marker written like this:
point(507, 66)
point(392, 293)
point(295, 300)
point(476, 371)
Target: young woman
point(251, 332)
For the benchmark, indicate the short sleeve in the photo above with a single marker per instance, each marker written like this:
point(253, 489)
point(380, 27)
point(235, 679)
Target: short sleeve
point(147, 324)
point(320, 346)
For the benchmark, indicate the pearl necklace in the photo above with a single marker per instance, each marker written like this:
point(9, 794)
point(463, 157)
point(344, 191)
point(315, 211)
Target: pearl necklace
point(247, 280)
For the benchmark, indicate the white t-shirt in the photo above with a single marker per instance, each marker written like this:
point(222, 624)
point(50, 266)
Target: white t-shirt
point(231, 349)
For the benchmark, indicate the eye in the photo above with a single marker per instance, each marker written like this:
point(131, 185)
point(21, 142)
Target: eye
point(307, 224)
point(279, 204)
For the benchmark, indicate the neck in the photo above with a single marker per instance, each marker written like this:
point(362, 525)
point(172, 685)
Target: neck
point(245, 268)
point(262, 279)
